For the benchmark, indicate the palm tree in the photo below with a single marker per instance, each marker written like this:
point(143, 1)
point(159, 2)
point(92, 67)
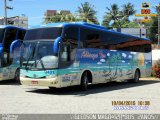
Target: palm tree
point(59, 17)
point(118, 17)
point(87, 13)
point(128, 10)
point(113, 15)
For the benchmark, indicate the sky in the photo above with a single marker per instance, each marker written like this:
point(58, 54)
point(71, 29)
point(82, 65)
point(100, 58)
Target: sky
point(35, 9)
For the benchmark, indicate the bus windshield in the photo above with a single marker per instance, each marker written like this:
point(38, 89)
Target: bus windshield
point(1, 34)
point(43, 33)
point(38, 55)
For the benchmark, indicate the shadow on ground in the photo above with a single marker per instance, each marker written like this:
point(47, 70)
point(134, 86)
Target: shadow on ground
point(9, 82)
point(93, 89)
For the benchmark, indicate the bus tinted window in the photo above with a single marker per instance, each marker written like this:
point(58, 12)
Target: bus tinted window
point(113, 41)
point(135, 45)
point(1, 35)
point(21, 34)
point(90, 38)
point(43, 33)
point(10, 36)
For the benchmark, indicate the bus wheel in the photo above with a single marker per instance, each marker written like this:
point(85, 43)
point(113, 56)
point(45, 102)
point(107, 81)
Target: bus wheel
point(52, 88)
point(84, 81)
point(136, 76)
point(17, 75)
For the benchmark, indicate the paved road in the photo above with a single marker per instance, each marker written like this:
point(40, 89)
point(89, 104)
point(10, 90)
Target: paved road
point(17, 99)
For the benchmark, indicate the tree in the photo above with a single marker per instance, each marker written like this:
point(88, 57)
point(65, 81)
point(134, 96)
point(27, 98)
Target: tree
point(153, 31)
point(131, 24)
point(60, 17)
point(128, 10)
point(117, 17)
point(87, 13)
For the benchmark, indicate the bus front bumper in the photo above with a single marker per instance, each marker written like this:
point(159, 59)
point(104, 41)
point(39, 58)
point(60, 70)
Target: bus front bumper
point(48, 82)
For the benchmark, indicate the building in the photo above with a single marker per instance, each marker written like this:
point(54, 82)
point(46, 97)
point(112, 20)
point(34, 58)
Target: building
point(49, 13)
point(1, 20)
point(19, 21)
point(155, 56)
point(139, 32)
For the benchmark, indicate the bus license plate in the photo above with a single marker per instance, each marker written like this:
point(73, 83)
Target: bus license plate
point(34, 82)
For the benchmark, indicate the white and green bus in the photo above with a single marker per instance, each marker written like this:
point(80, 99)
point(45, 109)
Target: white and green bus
point(68, 54)
point(10, 41)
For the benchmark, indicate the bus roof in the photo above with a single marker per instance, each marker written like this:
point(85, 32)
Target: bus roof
point(10, 26)
point(87, 25)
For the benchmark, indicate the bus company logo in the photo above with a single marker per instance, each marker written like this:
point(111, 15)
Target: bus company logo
point(145, 5)
point(87, 54)
point(102, 55)
point(66, 78)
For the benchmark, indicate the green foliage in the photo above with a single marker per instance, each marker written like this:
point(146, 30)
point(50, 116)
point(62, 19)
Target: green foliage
point(153, 31)
point(86, 13)
point(156, 69)
point(130, 25)
point(118, 17)
point(61, 18)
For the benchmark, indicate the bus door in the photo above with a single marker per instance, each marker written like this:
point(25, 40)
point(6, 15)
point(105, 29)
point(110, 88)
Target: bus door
point(69, 70)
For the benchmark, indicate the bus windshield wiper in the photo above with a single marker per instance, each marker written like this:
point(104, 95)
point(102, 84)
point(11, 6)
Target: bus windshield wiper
point(31, 55)
point(41, 64)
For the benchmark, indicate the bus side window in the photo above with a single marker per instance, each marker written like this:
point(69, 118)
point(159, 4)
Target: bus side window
point(69, 46)
point(65, 59)
point(21, 34)
point(65, 54)
point(9, 38)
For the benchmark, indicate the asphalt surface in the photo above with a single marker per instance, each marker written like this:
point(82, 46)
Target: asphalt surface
point(18, 99)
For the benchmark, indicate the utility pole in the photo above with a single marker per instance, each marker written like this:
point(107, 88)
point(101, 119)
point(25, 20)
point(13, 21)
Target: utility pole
point(5, 11)
point(158, 14)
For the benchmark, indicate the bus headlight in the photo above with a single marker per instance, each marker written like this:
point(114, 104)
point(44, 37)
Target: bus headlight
point(50, 76)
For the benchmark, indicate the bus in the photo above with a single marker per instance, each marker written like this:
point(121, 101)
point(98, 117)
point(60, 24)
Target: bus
point(69, 54)
point(10, 41)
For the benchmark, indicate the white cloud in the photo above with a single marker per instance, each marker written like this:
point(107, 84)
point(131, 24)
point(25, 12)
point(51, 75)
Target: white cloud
point(123, 61)
point(99, 63)
point(124, 55)
point(134, 53)
point(108, 54)
point(130, 56)
point(102, 60)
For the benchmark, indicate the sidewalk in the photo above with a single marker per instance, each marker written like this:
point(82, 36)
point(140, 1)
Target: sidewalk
point(149, 78)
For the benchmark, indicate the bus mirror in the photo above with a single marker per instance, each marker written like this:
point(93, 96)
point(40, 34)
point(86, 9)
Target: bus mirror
point(1, 48)
point(56, 45)
point(15, 44)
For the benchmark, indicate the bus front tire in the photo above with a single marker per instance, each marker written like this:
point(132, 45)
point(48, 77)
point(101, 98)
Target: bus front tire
point(17, 76)
point(84, 82)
